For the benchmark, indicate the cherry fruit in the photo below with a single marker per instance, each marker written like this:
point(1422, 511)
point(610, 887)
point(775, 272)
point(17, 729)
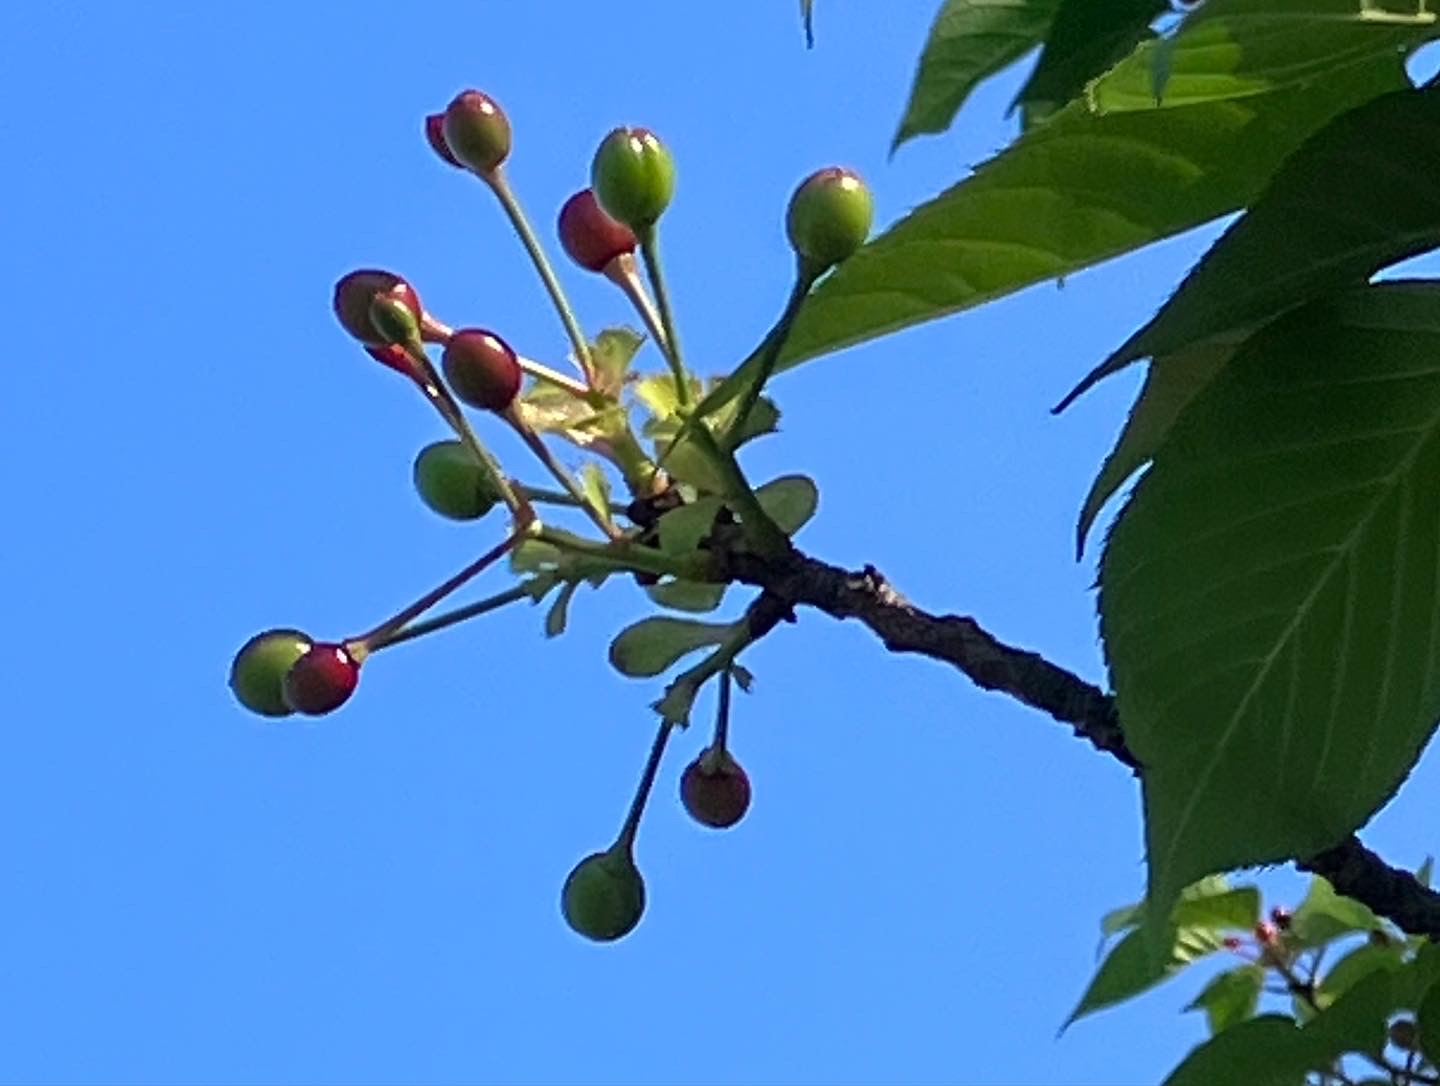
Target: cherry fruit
point(322, 680)
point(355, 294)
point(452, 482)
point(481, 369)
point(633, 177)
point(604, 895)
point(476, 131)
point(715, 789)
point(591, 237)
point(829, 216)
point(257, 675)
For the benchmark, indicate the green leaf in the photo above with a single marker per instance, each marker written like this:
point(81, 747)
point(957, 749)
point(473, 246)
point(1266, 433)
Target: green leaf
point(1264, 1051)
point(1230, 910)
point(1230, 997)
point(1086, 38)
point(1130, 968)
point(969, 40)
point(697, 597)
point(682, 529)
point(1360, 194)
point(1237, 48)
point(596, 487)
point(1170, 384)
point(1355, 1022)
point(1428, 1021)
point(653, 645)
point(1324, 916)
point(1117, 920)
point(1355, 967)
point(1069, 194)
point(612, 353)
point(1270, 595)
point(790, 501)
point(560, 610)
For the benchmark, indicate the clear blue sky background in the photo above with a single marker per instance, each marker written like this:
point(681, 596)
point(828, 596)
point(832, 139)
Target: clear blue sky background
point(193, 451)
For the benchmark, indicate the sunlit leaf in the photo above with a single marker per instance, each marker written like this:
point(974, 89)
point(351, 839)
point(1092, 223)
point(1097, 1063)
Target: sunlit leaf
point(1131, 968)
point(1270, 597)
point(1325, 915)
point(1085, 38)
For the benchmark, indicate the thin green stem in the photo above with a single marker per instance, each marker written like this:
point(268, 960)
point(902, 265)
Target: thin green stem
point(542, 452)
point(762, 532)
point(626, 840)
point(770, 350)
point(650, 253)
point(500, 185)
point(624, 274)
point(366, 642)
point(541, 496)
point(622, 555)
point(435, 390)
point(452, 618)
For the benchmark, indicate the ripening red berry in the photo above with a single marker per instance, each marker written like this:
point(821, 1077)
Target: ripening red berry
point(591, 237)
point(1266, 933)
point(322, 680)
point(396, 357)
point(356, 292)
point(435, 136)
point(481, 369)
point(476, 131)
point(715, 789)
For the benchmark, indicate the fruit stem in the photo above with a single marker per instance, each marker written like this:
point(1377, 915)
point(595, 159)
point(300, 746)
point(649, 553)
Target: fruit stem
point(722, 711)
point(367, 642)
point(686, 686)
point(500, 185)
point(626, 840)
point(558, 497)
point(451, 618)
point(623, 554)
point(542, 452)
point(622, 271)
point(670, 345)
point(769, 354)
point(435, 390)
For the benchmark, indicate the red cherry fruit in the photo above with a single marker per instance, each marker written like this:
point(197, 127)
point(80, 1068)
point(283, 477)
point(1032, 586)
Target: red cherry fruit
point(589, 235)
point(355, 292)
point(715, 789)
point(396, 357)
point(322, 680)
point(435, 136)
point(481, 369)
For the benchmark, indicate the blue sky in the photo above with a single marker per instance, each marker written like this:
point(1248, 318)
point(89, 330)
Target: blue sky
point(193, 451)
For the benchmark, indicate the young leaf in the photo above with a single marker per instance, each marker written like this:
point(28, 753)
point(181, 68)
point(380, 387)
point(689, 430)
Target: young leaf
point(1270, 597)
point(1360, 194)
point(1324, 915)
point(682, 529)
point(596, 487)
point(1230, 997)
point(1084, 40)
point(1227, 910)
point(697, 597)
point(560, 610)
point(969, 41)
point(612, 352)
point(1171, 384)
point(1071, 193)
point(1130, 968)
point(651, 646)
point(790, 501)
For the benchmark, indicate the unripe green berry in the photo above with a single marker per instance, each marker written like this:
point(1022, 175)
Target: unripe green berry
point(322, 680)
point(452, 482)
point(715, 789)
point(477, 131)
point(481, 369)
point(354, 294)
point(394, 320)
point(604, 896)
point(829, 217)
point(633, 177)
point(257, 675)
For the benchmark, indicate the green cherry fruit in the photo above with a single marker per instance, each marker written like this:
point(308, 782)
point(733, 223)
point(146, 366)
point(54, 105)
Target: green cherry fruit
point(355, 293)
point(322, 680)
point(604, 896)
point(715, 789)
point(633, 177)
point(394, 320)
point(452, 482)
point(257, 675)
point(476, 131)
point(829, 216)
point(589, 236)
point(481, 369)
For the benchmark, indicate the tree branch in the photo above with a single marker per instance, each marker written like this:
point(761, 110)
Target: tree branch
point(796, 579)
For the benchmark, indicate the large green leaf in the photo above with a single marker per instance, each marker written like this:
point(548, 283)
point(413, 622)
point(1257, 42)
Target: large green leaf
point(1086, 38)
point(1169, 386)
point(1428, 1020)
point(1069, 194)
point(970, 40)
point(1360, 194)
point(1236, 48)
point(1131, 968)
point(1264, 1051)
point(1270, 597)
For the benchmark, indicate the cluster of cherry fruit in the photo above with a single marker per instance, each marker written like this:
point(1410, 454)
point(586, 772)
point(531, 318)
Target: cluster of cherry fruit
point(284, 671)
